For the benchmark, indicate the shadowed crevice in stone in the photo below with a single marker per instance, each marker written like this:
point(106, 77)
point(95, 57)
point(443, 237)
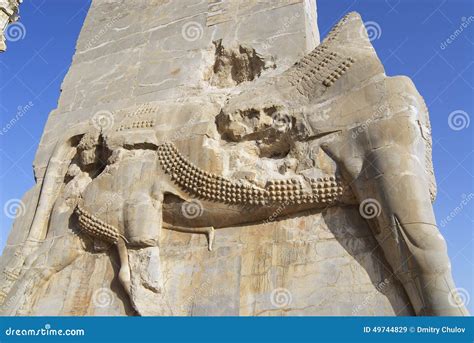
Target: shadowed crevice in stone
point(235, 65)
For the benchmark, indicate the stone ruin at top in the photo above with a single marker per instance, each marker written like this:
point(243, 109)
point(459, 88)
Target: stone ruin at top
point(214, 158)
point(8, 15)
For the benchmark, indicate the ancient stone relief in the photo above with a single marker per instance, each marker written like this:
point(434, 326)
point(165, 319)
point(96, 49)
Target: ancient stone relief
point(341, 131)
point(8, 14)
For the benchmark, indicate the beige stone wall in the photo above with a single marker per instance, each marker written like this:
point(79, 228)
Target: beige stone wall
point(321, 264)
point(318, 263)
point(157, 50)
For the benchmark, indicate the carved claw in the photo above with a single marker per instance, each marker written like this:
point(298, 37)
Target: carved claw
point(210, 237)
point(208, 231)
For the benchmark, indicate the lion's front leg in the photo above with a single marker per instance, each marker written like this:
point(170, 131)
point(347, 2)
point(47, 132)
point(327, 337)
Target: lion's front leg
point(141, 270)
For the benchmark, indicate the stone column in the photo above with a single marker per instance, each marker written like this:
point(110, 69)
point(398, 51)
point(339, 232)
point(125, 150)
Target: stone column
point(8, 14)
point(178, 61)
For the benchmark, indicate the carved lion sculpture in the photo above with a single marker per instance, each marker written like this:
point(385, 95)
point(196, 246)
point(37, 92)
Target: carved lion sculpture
point(376, 128)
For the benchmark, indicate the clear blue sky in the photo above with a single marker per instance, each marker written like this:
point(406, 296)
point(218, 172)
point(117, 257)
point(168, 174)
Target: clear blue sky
point(409, 36)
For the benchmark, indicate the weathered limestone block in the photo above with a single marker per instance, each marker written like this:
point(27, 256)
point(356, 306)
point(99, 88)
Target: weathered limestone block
point(193, 168)
point(304, 266)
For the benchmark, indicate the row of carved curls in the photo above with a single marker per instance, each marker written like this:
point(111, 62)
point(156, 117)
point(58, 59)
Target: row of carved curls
point(95, 227)
point(212, 187)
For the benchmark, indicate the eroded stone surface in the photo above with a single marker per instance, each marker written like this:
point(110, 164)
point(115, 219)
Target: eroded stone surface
point(8, 15)
point(123, 222)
